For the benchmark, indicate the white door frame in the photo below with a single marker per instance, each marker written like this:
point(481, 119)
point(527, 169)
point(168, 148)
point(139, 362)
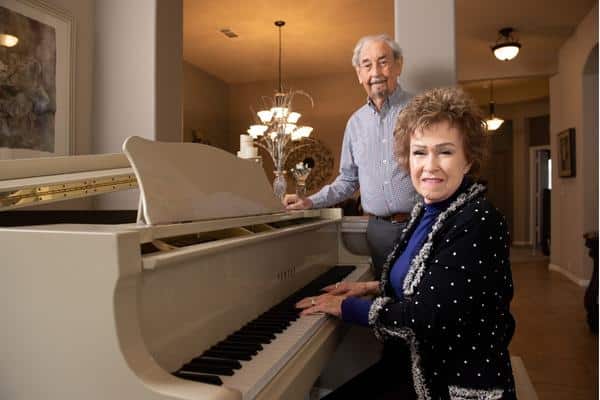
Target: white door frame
point(532, 185)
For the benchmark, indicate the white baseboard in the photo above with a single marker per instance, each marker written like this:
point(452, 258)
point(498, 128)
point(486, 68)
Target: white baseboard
point(521, 243)
point(569, 275)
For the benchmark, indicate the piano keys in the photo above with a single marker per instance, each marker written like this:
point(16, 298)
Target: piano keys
point(262, 345)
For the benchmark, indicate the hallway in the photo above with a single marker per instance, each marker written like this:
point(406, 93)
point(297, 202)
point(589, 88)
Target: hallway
point(552, 338)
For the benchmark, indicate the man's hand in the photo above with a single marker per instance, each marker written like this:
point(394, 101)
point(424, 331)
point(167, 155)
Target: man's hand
point(294, 202)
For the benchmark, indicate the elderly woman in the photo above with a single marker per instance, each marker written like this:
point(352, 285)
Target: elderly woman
point(447, 285)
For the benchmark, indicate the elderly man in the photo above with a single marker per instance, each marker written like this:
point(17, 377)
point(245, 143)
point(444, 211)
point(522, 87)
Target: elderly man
point(367, 160)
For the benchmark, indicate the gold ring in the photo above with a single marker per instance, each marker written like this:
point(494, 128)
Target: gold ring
point(337, 285)
point(312, 301)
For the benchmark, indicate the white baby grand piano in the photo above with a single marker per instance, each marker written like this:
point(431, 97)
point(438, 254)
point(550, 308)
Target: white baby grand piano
point(118, 311)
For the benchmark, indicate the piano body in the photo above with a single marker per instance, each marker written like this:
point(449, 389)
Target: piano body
point(99, 311)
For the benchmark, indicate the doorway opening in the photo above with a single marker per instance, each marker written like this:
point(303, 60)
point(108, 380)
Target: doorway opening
point(540, 178)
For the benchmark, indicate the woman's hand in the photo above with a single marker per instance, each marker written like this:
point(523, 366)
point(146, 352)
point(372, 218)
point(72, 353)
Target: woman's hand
point(357, 289)
point(325, 303)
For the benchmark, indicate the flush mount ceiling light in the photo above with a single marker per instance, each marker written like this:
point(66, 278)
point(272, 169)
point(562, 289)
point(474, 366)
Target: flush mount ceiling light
point(7, 40)
point(506, 47)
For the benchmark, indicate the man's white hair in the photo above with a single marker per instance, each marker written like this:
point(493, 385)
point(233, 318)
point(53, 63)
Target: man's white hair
point(396, 50)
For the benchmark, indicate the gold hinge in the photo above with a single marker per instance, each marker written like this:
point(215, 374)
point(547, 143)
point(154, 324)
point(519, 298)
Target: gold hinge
point(65, 191)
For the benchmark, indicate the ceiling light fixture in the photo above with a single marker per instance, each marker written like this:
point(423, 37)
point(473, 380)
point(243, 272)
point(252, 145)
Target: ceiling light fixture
point(277, 131)
point(493, 122)
point(8, 40)
point(506, 47)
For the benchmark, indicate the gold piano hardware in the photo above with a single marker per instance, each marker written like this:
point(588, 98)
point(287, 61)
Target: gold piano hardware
point(64, 191)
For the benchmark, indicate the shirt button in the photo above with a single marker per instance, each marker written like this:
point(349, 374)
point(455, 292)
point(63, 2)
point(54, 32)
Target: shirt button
point(385, 161)
point(384, 141)
point(386, 182)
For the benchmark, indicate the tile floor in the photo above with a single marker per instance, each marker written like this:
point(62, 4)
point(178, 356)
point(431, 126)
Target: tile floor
point(552, 338)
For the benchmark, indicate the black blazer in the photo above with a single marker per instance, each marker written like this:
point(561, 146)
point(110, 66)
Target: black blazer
point(455, 315)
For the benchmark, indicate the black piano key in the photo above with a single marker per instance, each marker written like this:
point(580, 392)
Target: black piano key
point(242, 343)
point(279, 316)
point(268, 322)
point(262, 339)
point(255, 332)
point(263, 327)
point(207, 369)
point(230, 354)
point(233, 364)
point(265, 323)
point(238, 345)
point(190, 376)
point(244, 350)
point(276, 318)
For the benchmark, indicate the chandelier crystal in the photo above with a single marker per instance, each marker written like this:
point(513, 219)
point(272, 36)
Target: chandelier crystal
point(277, 130)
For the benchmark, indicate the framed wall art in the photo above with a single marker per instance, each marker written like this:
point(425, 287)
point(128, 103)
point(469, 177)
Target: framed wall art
point(566, 153)
point(36, 80)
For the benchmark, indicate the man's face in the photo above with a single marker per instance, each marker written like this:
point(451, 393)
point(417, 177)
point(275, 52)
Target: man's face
point(377, 70)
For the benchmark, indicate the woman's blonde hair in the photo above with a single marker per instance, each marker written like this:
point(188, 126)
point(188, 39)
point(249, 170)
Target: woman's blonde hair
point(434, 106)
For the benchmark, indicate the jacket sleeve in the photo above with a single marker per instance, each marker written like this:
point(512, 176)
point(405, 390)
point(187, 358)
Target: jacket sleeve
point(465, 273)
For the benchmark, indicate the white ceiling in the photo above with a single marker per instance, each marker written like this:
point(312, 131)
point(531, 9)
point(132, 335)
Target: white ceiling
point(319, 36)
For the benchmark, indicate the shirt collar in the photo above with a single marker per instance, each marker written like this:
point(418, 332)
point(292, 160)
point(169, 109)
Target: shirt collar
point(392, 99)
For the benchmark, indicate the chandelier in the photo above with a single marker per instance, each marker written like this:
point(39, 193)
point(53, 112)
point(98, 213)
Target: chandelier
point(506, 47)
point(493, 122)
point(277, 130)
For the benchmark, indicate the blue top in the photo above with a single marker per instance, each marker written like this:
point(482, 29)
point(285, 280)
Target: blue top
point(367, 160)
point(355, 309)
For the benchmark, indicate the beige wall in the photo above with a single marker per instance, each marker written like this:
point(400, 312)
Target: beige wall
point(205, 107)
point(335, 97)
point(429, 47)
point(566, 111)
point(169, 71)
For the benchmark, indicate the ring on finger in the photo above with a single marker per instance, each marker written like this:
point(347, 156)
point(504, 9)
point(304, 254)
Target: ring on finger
point(337, 285)
point(312, 301)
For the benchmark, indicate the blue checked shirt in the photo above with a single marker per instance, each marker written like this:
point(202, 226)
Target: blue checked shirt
point(368, 162)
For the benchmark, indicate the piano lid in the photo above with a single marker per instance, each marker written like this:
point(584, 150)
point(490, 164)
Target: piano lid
point(182, 182)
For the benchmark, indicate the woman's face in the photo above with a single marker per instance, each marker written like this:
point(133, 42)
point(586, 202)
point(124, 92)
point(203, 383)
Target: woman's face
point(437, 161)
